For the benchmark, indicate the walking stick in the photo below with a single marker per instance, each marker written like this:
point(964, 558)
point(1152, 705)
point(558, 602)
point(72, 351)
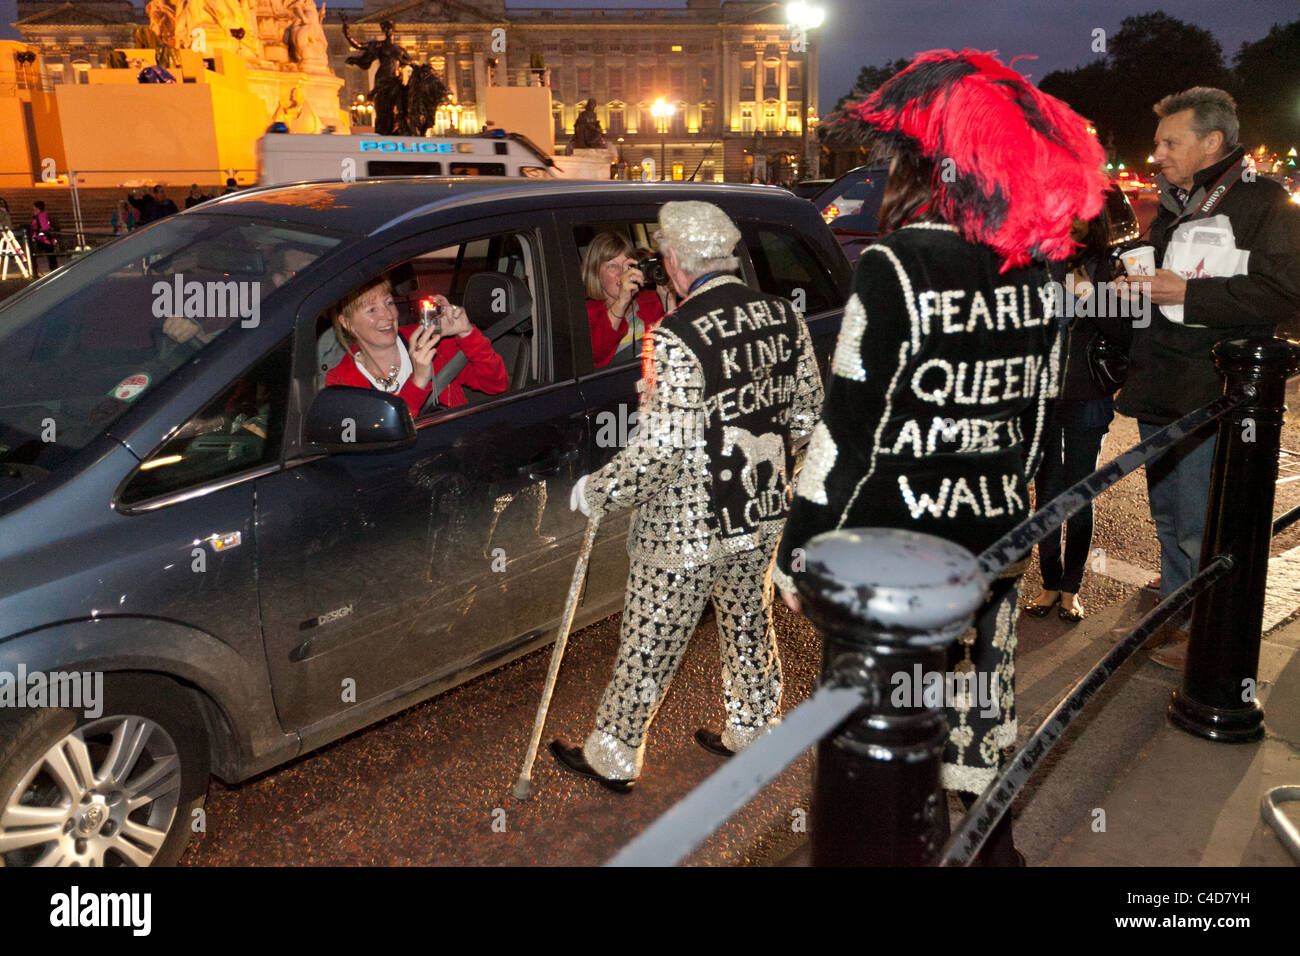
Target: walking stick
point(523, 785)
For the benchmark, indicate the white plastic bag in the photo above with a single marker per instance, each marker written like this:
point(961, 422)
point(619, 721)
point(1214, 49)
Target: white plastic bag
point(1200, 249)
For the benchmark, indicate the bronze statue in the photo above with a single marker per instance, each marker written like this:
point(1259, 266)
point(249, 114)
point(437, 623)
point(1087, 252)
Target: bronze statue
point(405, 105)
point(386, 95)
point(586, 130)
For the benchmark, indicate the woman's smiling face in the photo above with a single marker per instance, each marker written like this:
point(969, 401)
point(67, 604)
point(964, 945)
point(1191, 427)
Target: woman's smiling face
point(372, 319)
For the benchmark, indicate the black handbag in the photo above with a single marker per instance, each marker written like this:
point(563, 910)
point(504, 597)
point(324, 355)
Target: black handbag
point(1107, 363)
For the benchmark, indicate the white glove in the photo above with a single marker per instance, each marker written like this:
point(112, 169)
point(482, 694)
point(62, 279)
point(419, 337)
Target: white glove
point(578, 497)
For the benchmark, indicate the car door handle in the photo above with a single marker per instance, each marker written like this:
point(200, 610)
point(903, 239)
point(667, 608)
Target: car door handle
point(542, 466)
point(548, 464)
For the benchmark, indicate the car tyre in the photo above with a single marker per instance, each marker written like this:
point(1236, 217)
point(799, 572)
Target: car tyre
point(119, 789)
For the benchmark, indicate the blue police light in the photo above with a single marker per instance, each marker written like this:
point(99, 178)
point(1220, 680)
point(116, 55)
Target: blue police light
point(278, 128)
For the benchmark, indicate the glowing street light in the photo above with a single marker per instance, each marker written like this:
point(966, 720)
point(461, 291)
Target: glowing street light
point(804, 17)
point(663, 112)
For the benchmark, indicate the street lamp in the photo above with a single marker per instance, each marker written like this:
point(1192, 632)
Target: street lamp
point(804, 17)
point(662, 112)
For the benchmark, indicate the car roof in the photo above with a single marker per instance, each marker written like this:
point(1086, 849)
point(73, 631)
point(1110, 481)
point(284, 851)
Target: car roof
point(370, 206)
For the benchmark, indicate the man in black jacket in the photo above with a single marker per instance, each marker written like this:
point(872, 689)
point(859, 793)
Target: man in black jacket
point(1203, 172)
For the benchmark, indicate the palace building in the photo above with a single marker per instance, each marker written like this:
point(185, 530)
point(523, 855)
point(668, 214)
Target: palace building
point(740, 83)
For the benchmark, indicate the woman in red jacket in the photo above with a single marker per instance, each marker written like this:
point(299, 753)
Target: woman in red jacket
point(618, 311)
point(404, 360)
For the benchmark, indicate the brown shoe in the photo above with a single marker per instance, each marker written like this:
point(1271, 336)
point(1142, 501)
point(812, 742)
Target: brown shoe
point(1174, 654)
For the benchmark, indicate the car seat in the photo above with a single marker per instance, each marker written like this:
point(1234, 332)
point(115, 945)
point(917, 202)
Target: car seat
point(501, 306)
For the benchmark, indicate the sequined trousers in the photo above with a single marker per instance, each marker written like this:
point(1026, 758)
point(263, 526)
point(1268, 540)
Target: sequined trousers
point(663, 607)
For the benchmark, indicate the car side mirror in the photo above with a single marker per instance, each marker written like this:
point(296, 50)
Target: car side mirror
point(345, 419)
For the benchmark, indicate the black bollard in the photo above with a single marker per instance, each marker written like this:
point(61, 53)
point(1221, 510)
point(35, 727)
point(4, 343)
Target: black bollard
point(1217, 699)
point(888, 603)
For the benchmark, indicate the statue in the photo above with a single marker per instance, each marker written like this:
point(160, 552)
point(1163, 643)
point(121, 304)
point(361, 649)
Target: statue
point(310, 48)
point(162, 20)
point(406, 95)
point(586, 130)
point(386, 95)
point(425, 92)
point(297, 114)
point(223, 17)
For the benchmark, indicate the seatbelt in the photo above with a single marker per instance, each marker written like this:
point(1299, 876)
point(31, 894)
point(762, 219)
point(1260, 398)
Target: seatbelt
point(453, 368)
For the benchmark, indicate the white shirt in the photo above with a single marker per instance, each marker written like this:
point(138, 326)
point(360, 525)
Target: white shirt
point(402, 375)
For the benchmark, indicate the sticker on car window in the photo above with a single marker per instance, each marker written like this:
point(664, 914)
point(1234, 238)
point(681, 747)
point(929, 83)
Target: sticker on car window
point(130, 387)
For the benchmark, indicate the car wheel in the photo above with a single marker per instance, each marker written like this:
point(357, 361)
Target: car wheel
point(114, 790)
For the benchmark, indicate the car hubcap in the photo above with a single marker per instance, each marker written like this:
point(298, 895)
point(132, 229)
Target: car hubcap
point(104, 795)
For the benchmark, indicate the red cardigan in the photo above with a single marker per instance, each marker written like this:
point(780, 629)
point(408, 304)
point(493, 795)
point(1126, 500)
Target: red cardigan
point(605, 338)
point(485, 371)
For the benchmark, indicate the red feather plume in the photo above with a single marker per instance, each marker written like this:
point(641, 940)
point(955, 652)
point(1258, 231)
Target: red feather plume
point(1014, 166)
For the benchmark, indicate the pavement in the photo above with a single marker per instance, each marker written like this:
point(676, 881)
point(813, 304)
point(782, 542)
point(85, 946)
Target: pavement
point(1131, 789)
point(1165, 797)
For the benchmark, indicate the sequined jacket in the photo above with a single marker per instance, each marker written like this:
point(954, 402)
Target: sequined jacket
point(664, 471)
point(935, 405)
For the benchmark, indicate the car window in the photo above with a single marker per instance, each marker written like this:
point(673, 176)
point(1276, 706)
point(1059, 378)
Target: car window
point(855, 204)
point(79, 349)
point(241, 429)
point(786, 265)
point(493, 278)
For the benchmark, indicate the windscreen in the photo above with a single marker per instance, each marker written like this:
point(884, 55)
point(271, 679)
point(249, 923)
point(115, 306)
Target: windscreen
point(80, 348)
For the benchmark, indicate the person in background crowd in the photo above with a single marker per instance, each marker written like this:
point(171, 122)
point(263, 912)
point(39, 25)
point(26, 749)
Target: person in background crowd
point(195, 197)
point(6, 220)
point(143, 204)
point(1078, 420)
point(232, 186)
point(163, 207)
point(987, 173)
point(42, 234)
point(1171, 369)
point(123, 219)
point(711, 496)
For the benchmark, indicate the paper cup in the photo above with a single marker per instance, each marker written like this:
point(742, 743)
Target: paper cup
point(1140, 261)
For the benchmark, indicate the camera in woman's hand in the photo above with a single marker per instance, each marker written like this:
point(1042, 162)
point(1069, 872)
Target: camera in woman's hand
point(431, 315)
point(652, 267)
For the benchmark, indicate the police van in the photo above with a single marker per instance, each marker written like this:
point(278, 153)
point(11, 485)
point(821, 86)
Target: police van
point(297, 157)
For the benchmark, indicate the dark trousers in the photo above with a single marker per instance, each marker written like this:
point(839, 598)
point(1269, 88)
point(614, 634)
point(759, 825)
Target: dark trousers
point(1072, 437)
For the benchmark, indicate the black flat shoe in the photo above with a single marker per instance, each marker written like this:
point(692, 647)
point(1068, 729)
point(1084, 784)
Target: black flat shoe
point(1041, 610)
point(572, 760)
point(712, 743)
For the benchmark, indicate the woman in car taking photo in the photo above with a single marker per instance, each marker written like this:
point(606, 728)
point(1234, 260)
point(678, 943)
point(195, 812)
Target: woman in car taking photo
point(405, 360)
point(621, 304)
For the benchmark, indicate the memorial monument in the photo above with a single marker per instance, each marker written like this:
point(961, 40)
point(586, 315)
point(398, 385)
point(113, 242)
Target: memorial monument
point(406, 95)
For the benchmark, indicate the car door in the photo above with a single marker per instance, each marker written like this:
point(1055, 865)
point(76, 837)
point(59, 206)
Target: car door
point(385, 571)
point(610, 392)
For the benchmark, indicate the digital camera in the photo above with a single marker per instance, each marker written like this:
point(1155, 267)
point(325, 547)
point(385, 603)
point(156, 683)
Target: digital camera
point(431, 314)
point(652, 267)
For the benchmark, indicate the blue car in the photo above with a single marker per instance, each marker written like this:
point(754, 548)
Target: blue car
point(211, 563)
